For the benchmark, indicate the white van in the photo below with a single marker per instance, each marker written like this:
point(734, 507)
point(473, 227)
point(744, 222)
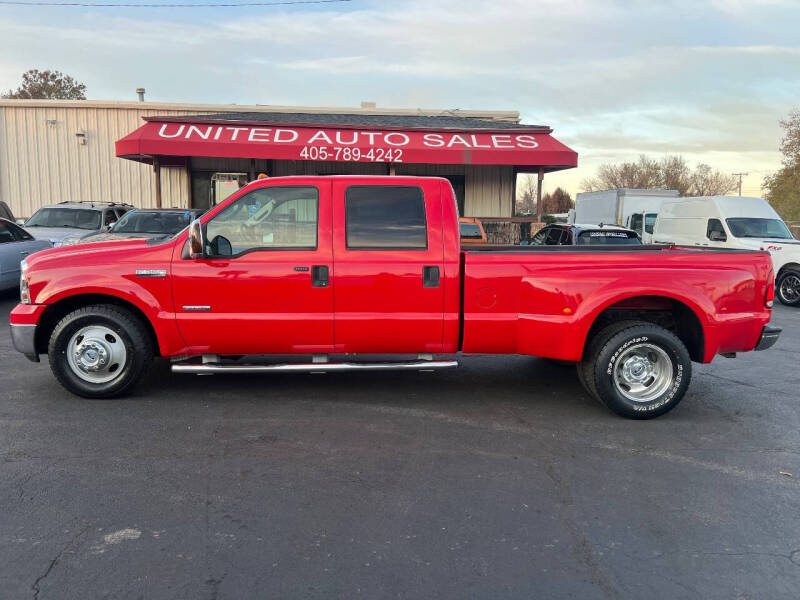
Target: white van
point(734, 222)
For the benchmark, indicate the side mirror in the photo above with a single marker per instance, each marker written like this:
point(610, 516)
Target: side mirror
point(718, 236)
point(20, 221)
point(196, 244)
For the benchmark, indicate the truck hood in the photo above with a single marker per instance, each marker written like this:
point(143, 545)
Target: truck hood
point(57, 234)
point(113, 237)
point(66, 254)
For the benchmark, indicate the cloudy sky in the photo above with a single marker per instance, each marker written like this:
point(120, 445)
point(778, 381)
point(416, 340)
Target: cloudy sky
point(708, 79)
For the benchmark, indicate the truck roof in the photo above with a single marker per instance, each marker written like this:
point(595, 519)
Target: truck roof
point(726, 206)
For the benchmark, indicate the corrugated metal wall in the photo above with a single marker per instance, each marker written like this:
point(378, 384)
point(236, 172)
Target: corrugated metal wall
point(489, 189)
point(43, 162)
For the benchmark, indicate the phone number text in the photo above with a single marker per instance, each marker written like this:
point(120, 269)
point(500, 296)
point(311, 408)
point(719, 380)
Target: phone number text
point(351, 154)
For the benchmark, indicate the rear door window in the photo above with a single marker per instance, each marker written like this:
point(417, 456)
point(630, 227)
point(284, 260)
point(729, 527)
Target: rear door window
point(379, 217)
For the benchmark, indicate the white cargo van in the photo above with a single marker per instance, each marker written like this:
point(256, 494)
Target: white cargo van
point(734, 222)
point(627, 207)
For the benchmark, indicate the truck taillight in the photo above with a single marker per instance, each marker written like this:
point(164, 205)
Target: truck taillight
point(769, 297)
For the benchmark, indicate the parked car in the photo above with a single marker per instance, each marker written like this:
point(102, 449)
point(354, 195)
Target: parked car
point(585, 235)
point(69, 222)
point(471, 231)
point(256, 276)
point(146, 223)
point(15, 245)
point(735, 222)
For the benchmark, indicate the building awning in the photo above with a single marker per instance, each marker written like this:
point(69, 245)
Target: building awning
point(293, 137)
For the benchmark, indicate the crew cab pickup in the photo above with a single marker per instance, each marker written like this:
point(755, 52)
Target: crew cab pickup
point(339, 269)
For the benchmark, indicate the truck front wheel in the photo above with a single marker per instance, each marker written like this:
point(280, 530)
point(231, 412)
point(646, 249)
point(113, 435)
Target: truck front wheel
point(99, 351)
point(639, 370)
point(789, 288)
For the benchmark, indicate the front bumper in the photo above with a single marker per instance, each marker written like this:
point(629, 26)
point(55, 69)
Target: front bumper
point(23, 337)
point(769, 335)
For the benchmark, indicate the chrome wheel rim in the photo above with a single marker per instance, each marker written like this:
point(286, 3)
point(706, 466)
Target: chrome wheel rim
point(96, 354)
point(790, 288)
point(643, 372)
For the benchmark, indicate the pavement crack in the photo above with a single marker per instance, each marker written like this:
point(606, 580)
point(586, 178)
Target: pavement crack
point(54, 562)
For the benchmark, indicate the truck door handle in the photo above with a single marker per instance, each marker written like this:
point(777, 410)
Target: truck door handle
point(430, 276)
point(319, 276)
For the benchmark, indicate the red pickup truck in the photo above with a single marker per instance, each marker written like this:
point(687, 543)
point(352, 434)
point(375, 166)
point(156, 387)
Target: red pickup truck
point(332, 266)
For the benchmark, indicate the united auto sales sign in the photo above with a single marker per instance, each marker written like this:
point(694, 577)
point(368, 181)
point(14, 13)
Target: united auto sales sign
point(309, 143)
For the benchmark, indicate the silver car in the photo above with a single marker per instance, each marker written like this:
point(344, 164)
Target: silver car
point(15, 245)
point(69, 222)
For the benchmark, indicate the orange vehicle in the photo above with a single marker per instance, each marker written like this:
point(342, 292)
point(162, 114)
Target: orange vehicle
point(471, 230)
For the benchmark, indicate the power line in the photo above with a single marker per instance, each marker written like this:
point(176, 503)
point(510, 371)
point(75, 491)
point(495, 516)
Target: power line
point(172, 5)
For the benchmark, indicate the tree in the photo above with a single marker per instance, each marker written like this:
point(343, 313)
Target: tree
point(676, 175)
point(708, 182)
point(557, 202)
point(526, 201)
point(644, 174)
point(37, 85)
point(670, 173)
point(783, 187)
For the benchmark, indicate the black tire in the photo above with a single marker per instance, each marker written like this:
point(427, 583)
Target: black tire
point(787, 288)
point(133, 335)
point(585, 367)
point(600, 371)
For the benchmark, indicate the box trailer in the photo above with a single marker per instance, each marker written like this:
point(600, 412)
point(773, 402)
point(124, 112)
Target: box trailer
point(615, 207)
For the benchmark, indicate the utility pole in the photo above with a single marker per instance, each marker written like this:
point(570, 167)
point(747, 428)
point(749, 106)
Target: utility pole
point(740, 175)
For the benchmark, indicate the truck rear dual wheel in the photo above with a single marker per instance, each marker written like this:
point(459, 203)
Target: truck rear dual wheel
point(637, 369)
point(788, 291)
point(99, 351)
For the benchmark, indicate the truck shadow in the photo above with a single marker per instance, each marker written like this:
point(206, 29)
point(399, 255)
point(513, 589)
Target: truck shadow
point(478, 381)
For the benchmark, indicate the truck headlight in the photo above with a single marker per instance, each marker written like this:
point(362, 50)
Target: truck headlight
point(70, 241)
point(24, 292)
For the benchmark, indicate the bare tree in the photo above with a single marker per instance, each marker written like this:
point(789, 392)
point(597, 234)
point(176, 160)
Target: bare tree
point(526, 195)
point(38, 85)
point(675, 175)
point(645, 173)
point(670, 173)
point(708, 182)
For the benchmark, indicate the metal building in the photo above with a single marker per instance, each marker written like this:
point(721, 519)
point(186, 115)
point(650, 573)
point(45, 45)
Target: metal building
point(196, 154)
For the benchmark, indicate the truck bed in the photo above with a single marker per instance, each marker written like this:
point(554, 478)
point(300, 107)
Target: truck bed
point(543, 300)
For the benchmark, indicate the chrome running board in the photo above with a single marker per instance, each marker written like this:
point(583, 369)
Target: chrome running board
point(208, 368)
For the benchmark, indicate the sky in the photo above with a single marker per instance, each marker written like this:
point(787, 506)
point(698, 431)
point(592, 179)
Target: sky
point(706, 79)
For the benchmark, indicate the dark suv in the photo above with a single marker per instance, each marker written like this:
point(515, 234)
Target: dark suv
point(585, 235)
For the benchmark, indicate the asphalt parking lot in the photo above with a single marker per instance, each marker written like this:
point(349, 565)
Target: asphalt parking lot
point(501, 479)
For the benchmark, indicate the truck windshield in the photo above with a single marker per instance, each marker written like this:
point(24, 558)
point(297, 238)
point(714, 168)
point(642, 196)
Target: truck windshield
point(747, 227)
point(608, 238)
point(77, 218)
point(153, 222)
